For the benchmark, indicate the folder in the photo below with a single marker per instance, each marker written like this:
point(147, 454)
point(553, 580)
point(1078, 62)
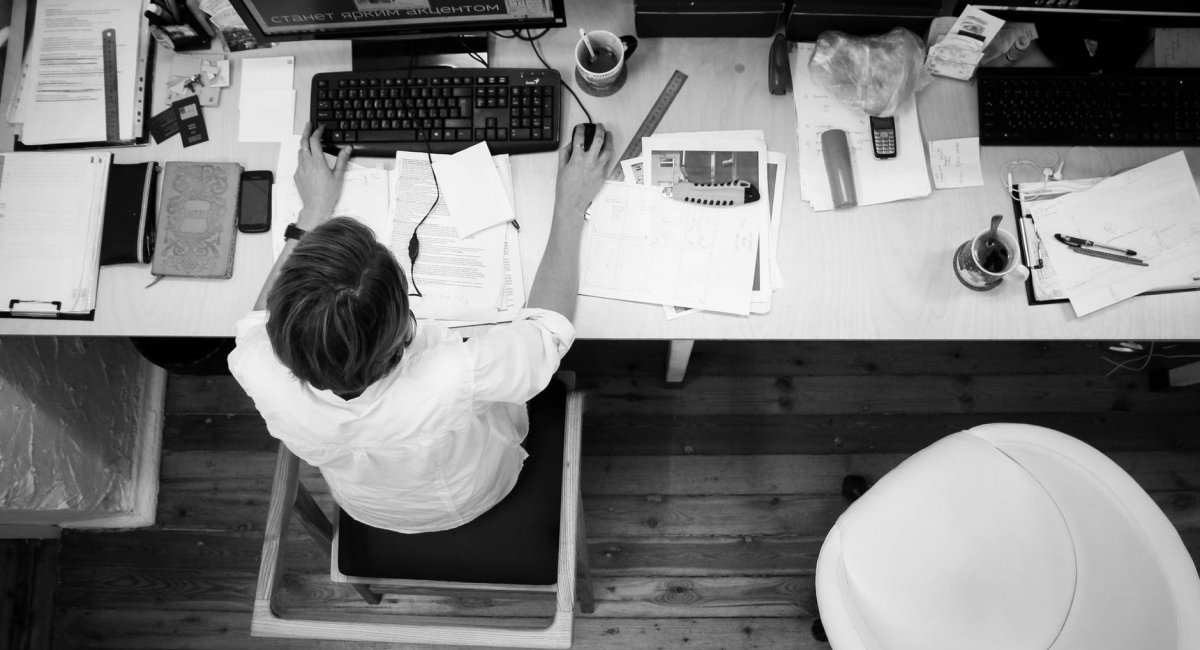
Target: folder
point(51, 215)
point(62, 100)
point(129, 214)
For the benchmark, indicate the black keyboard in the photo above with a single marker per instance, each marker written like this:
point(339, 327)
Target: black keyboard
point(1045, 106)
point(443, 110)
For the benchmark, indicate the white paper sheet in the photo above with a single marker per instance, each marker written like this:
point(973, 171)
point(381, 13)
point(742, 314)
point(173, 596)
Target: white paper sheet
point(269, 73)
point(472, 189)
point(266, 115)
point(719, 156)
point(461, 278)
point(63, 91)
point(955, 163)
point(641, 246)
point(50, 229)
point(1177, 47)
point(875, 181)
point(1153, 209)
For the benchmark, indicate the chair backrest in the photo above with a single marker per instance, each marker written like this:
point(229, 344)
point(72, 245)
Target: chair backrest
point(1007, 536)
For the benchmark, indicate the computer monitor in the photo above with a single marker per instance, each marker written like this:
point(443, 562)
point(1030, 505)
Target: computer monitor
point(387, 28)
point(1093, 34)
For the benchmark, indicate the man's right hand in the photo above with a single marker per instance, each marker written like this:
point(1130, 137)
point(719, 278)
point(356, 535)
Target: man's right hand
point(581, 173)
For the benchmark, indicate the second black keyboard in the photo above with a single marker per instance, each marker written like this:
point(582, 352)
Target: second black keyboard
point(442, 110)
point(1045, 106)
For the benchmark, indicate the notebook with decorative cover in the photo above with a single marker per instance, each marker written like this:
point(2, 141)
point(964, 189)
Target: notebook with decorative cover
point(197, 220)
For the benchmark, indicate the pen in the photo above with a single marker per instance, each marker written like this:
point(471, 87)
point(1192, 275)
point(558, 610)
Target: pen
point(1079, 241)
point(1108, 256)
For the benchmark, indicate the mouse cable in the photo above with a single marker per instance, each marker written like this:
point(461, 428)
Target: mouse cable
point(564, 83)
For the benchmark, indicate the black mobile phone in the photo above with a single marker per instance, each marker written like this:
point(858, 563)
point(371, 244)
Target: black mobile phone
point(254, 208)
point(883, 136)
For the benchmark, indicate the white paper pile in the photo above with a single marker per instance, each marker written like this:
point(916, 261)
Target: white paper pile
point(267, 99)
point(642, 246)
point(875, 181)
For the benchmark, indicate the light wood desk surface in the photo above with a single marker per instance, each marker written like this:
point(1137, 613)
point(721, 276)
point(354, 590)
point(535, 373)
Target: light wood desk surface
point(878, 272)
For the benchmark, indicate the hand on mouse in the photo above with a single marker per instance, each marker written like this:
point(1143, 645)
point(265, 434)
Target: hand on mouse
point(581, 171)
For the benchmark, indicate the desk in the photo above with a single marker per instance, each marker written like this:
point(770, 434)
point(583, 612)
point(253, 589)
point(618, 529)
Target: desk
point(878, 272)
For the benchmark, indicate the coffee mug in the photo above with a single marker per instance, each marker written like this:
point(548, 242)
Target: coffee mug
point(604, 73)
point(982, 262)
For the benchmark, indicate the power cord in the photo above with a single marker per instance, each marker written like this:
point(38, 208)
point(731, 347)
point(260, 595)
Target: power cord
point(1137, 364)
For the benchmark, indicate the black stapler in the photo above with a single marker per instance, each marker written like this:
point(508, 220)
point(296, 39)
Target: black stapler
point(779, 71)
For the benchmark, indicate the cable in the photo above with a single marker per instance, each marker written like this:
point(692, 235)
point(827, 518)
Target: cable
point(1143, 361)
point(564, 83)
point(414, 244)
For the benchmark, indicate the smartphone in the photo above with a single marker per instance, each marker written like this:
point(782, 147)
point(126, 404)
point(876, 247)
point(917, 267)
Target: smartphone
point(254, 209)
point(883, 136)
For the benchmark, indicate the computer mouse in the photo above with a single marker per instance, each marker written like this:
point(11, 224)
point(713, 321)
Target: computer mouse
point(589, 133)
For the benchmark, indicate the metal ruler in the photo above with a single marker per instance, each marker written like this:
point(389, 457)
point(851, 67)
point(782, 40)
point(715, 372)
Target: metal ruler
point(657, 110)
point(112, 125)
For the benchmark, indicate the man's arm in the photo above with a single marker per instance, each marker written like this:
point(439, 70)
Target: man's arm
point(580, 176)
point(319, 186)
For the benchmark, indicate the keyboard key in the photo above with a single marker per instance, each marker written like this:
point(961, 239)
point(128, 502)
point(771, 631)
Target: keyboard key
point(401, 135)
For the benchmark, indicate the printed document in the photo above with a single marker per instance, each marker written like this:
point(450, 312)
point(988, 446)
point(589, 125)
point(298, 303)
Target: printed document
point(62, 93)
point(1153, 210)
point(639, 245)
point(460, 278)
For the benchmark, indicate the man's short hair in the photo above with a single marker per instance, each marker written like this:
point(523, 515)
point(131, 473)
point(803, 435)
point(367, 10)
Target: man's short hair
point(338, 311)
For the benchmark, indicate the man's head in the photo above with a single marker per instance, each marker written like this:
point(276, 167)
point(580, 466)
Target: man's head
point(339, 316)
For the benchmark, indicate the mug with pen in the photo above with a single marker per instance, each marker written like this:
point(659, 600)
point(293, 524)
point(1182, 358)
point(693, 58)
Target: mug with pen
point(600, 61)
point(982, 262)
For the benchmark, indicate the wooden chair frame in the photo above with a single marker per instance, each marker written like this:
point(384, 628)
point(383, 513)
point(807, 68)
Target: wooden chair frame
point(287, 494)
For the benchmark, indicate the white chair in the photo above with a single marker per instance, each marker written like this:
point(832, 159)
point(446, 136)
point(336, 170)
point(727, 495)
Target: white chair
point(1007, 536)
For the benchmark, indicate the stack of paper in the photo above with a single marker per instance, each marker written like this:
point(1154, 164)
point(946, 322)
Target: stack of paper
point(642, 246)
point(61, 98)
point(469, 268)
point(875, 181)
point(1153, 210)
point(51, 215)
point(267, 102)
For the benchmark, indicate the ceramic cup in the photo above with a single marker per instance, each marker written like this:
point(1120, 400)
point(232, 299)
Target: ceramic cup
point(982, 262)
point(605, 73)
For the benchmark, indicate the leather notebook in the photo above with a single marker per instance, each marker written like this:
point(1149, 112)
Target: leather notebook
point(197, 220)
point(129, 214)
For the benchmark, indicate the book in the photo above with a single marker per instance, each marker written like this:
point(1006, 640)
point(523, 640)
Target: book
point(129, 215)
point(197, 220)
point(51, 214)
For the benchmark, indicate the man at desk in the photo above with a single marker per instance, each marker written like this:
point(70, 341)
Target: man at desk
point(414, 429)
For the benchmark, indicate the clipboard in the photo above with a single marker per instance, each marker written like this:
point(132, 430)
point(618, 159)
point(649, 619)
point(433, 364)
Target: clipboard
point(50, 233)
point(141, 100)
point(1039, 286)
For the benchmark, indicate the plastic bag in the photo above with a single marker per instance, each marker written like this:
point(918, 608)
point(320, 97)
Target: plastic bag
point(876, 74)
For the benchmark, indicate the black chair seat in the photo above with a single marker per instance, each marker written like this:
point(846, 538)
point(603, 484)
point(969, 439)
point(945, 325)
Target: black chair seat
point(516, 542)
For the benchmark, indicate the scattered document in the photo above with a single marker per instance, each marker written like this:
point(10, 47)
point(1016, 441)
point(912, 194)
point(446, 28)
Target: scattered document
point(955, 163)
point(1177, 47)
point(473, 191)
point(460, 278)
point(959, 53)
point(1153, 209)
point(719, 157)
point(62, 88)
point(51, 216)
point(876, 181)
point(267, 100)
point(639, 245)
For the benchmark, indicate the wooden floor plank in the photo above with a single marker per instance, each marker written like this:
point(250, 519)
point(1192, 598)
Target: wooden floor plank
point(762, 433)
point(172, 630)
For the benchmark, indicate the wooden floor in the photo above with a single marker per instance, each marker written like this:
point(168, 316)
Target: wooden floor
point(706, 506)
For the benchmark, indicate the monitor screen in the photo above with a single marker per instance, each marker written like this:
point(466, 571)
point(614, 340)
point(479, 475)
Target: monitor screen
point(283, 20)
